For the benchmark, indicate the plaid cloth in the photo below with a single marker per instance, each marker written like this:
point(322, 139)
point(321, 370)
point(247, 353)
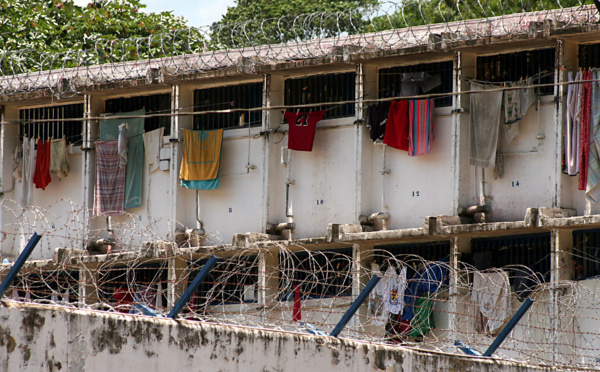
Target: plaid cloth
point(109, 192)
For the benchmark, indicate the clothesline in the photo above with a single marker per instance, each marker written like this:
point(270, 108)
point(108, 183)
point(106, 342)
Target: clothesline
point(537, 76)
point(362, 101)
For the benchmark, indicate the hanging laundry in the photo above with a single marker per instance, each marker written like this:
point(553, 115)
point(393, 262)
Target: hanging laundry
point(122, 145)
point(28, 169)
point(573, 125)
point(59, 162)
point(302, 127)
point(516, 104)
point(109, 130)
point(41, 176)
point(396, 285)
point(527, 96)
point(421, 126)
point(422, 322)
point(17, 160)
point(593, 176)
point(201, 159)
point(415, 83)
point(584, 138)
point(491, 291)
point(428, 280)
point(484, 124)
point(152, 143)
point(297, 310)
point(109, 191)
point(377, 116)
point(398, 125)
point(377, 308)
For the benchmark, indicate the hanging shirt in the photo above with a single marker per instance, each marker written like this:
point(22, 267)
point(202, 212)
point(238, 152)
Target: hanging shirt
point(398, 125)
point(395, 290)
point(572, 126)
point(377, 115)
point(41, 176)
point(377, 308)
point(491, 291)
point(302, 127)
point(421, 126)
point(201, 159)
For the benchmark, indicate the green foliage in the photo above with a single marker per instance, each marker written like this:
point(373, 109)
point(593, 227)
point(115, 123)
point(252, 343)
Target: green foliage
point(416, 13)
point(255, 22)
point(89, 35)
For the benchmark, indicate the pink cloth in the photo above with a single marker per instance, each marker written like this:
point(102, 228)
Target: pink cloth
point(109, 191)
point(584, 139)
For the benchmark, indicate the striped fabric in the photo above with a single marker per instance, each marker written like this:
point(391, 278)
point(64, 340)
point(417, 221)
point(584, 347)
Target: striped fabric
point(421, 126)
point(109, 191)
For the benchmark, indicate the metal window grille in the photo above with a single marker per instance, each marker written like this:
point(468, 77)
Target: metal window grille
point(227, 283)
point(56, 127)
point(589, 55)
point(320, 89)
point(243, 96)
point(153, 104)
point(64, 285)
point(532, 251)
point(413, 254)
point(586, 253)
point(130, 280)
point(516, 66)
point(390, 80)
point(319, 274)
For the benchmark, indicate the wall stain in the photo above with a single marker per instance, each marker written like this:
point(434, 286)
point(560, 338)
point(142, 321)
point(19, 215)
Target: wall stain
point(108, 337)
point(32, 322)
point(8, 340)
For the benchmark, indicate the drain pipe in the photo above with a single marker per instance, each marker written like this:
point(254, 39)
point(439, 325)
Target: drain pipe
point(286, 161)
point(199, 224)
point(384, 215)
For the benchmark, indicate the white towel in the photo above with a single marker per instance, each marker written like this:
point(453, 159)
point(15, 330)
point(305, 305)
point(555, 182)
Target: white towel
point(491, 290)
point(28, 169)
point(152, 142)
point(484, 125)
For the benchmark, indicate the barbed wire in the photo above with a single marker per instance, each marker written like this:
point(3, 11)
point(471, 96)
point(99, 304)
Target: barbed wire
point(289, 287)
point(386, 26)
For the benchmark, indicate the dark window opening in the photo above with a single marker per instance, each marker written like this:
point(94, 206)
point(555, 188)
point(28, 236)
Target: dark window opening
point(231, 281)
point(154, 104)
point(322, 89)
point(318, 274)
point(413, 255)
point(586, 253)
point(589, 55)
point(390, 80)
point(243, 96)
point(56, 127)
point(119, 286)
point(532, 251)
point(54, 286)
point(512, 67)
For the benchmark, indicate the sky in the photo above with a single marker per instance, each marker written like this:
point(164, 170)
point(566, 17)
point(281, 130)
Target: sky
point(198, 13)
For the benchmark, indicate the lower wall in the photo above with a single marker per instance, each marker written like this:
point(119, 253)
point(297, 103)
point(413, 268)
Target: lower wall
point(48, 338)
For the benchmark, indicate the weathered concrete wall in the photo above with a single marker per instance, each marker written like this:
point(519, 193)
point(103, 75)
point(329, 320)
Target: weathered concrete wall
point(36, 338)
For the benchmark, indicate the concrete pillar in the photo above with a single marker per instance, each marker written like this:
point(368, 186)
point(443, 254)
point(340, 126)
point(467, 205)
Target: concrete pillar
point(264, 169)
point(93, 106)
point(177, 271)
point(268, 281)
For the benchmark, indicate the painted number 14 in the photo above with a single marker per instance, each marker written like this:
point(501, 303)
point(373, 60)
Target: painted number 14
point(515, 184)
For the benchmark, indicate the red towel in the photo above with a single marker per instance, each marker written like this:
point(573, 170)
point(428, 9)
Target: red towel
point(41, 175)
point(302, 128)
point(398, 126)
point(297, 313)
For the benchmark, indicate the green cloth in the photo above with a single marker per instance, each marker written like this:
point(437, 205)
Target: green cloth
point(109, 130)
point(422, 322)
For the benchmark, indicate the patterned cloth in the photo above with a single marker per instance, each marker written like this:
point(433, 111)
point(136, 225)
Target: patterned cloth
point(421, 126)
point(201, 159)
point(109, 192)
point(584, 139)
point(593, 171)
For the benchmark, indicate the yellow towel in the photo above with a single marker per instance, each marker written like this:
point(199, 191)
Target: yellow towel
point(201, 155)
